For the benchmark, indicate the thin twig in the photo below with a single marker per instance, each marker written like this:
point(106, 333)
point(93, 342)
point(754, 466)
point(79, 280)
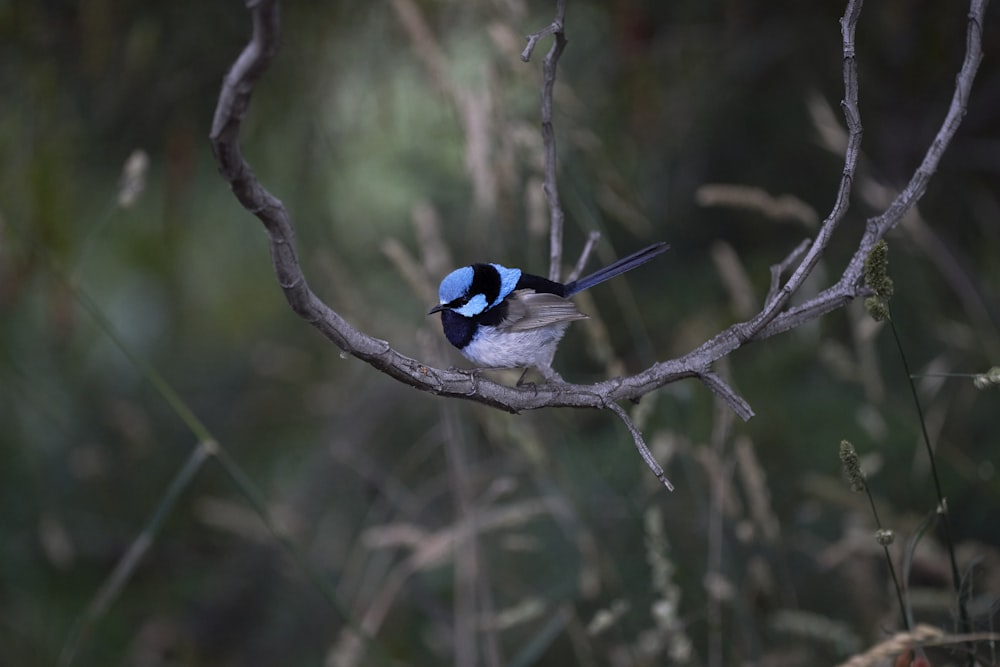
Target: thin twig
point(778, 270)
point(556, 217)
point(956, 112)
point(722, 390)
point(533, 38)
point(581, 263)
point(880, 225)
point(640, 444)
point(772, 308)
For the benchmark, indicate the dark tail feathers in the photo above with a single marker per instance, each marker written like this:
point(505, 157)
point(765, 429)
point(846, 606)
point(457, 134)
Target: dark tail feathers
point(616, 268)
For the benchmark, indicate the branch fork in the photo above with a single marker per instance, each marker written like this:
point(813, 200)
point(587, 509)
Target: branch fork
point(775, 317)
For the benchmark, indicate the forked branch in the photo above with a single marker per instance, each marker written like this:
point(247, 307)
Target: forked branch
point(775, 317)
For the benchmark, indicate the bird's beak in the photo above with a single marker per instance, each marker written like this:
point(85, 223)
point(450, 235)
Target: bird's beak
point(436, 309)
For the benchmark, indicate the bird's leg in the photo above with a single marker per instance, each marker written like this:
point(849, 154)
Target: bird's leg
point(550, 375)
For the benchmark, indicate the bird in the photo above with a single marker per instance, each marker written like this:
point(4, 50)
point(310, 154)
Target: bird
point(500, 317)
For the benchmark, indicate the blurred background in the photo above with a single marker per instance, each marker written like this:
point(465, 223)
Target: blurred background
point(403, 138)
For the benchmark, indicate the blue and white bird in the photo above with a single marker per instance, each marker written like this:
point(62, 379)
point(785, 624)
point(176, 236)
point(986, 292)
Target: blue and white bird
point(505, 318)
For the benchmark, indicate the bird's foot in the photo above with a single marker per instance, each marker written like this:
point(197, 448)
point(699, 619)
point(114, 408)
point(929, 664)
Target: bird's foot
point(551, 377)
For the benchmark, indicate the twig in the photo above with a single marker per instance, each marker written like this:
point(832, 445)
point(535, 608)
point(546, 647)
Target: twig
point(551, 28)
point(640, 444)
point(880, 225)
point(846, 289)
point(852, 115)
point(581, 263)
point(777, 270)
point(956, 112)
point(722, 390)
point(551, 187)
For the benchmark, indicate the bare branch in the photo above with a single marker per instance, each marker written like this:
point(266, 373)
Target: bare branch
point(551, 187)
point(721, 389)
point(773, 306)
point(956, 112)
point(640, 444)
point(777, 270)
point(555, 26)
point(847, 287)
point(588, 249)
point(774, 318)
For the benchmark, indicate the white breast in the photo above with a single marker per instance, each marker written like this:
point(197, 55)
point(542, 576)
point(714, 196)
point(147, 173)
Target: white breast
point(494, 348)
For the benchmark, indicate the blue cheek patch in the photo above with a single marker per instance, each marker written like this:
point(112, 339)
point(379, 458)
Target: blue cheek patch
point(455, 284)
point(508, 281)
point(476, 305)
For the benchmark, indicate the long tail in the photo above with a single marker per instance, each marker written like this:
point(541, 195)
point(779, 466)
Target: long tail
point(616, 268)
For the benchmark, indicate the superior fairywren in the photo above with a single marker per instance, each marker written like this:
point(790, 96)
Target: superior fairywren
point(504, 318)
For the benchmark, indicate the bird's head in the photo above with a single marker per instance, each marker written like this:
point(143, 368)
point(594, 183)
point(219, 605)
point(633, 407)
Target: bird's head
point(472, 290)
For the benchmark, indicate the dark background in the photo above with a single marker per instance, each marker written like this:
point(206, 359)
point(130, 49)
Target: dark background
point(355, 132)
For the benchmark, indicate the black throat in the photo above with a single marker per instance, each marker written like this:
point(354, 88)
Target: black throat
point(459, 329)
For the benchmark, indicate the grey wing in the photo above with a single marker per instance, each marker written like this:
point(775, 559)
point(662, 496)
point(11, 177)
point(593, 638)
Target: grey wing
point(527, 309)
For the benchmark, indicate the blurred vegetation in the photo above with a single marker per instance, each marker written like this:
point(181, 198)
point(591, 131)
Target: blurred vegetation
point(361, 127)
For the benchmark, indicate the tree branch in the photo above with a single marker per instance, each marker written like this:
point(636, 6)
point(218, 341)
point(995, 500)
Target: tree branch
point(848, 286)
point(774, 318)
point(777, 270)
point(640, 444)
point(773, 306)
point(548, 134)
